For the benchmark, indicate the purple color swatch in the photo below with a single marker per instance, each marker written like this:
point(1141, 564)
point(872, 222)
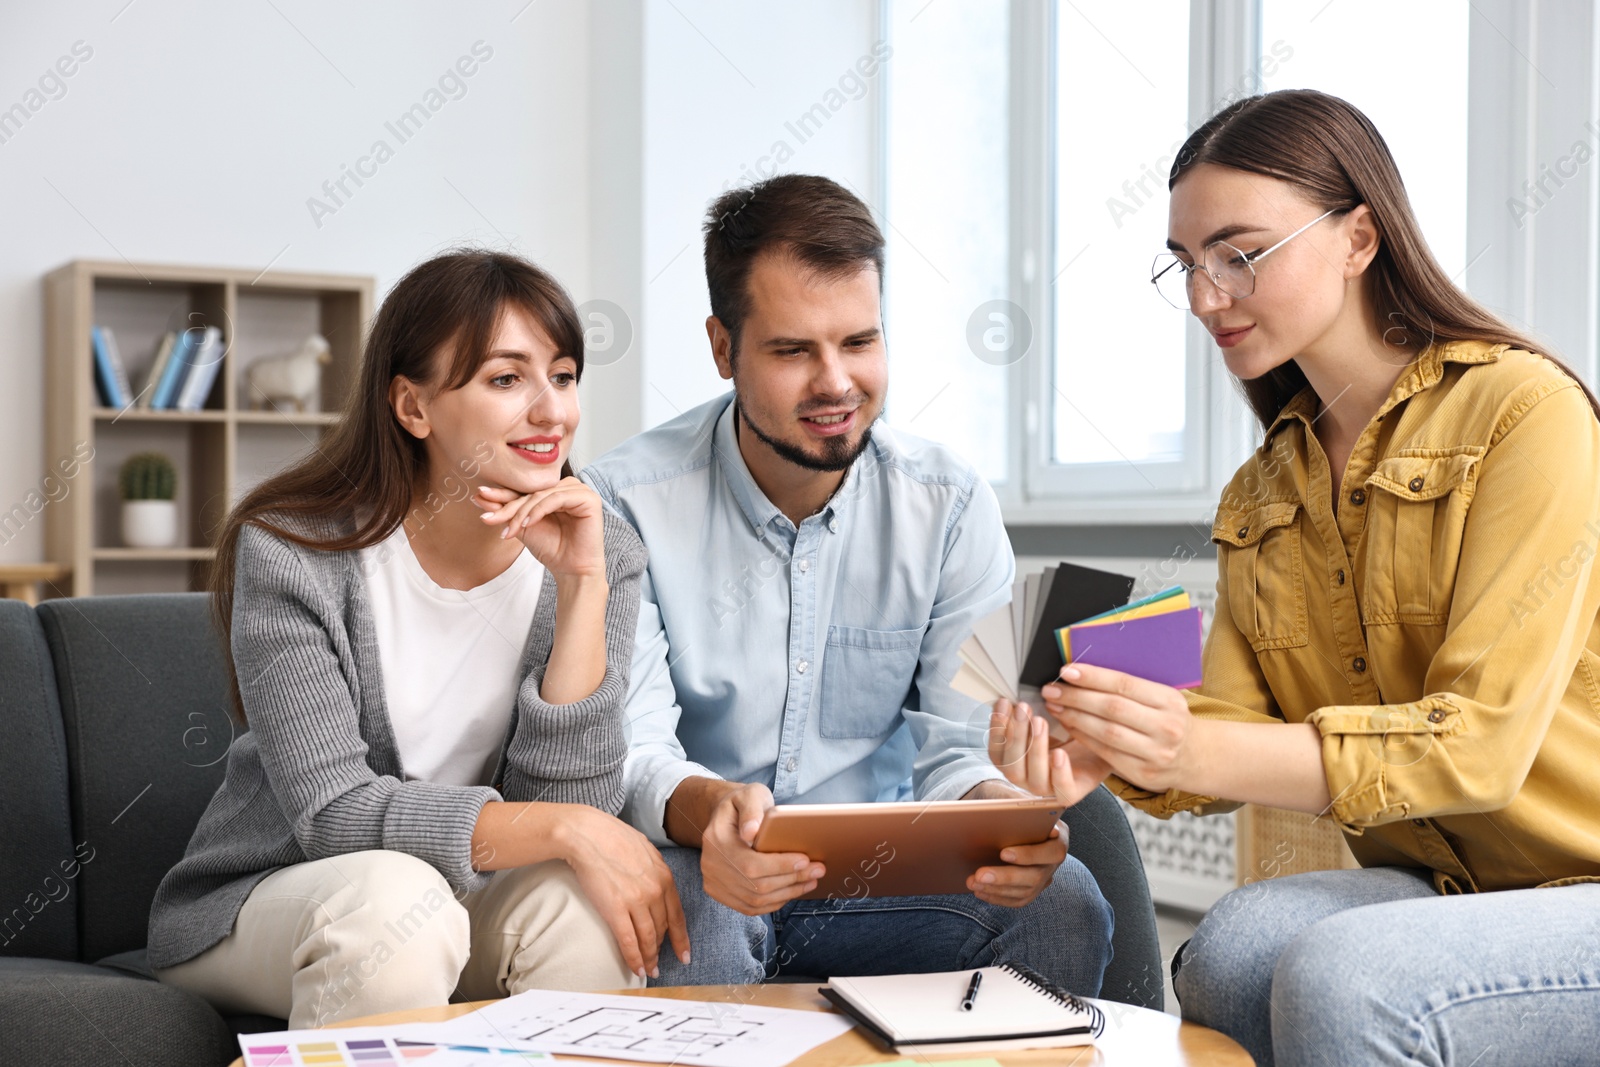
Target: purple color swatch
point(1160, 648)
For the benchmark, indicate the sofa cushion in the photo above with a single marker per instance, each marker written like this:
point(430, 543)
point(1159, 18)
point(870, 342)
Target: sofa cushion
point(38, 876)
point(137, 963)
point(144, 705)
point(62, 1014)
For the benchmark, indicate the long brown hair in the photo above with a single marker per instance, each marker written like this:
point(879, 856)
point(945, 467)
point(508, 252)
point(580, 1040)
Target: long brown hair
point(368, 466)
point(1337, 159)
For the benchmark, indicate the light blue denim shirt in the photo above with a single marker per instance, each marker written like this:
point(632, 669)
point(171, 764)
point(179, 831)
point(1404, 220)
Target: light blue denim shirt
point(815, 660)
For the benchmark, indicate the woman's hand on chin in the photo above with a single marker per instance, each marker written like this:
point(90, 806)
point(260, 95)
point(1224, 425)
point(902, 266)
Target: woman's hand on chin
point(562, 525)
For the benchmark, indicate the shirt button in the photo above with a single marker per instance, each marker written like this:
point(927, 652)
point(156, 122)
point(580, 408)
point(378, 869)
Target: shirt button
point(1358, 497)
point(1359, 664)
point(833, 525)
point(791, 765)
point(1341, 577)
point(805, 565)
point(1416, 485)
point(801, 666)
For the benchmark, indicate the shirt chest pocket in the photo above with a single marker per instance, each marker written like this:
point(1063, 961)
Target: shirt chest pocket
point(866, 676)
point(1412, 543)
point(1266, 574)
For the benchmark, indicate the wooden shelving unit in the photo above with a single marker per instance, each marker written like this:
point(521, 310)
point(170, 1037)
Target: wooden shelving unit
point(220, 450)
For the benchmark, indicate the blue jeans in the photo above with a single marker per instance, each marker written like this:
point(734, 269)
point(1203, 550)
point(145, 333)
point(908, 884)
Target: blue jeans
point(1065, 934)
point(1374, 967)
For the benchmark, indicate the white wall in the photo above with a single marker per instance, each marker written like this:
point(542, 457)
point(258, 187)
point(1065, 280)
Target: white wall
point(592, 140)
point(196, 132)
point(722, 81)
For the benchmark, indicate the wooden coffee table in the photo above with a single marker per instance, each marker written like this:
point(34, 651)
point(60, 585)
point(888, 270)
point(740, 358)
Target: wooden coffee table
point(1134, 1037)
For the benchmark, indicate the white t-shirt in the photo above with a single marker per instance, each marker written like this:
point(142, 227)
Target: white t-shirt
point(449, 658)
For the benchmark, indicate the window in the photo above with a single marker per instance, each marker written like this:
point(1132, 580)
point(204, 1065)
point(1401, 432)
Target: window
point(948, 217)
point(1419, 107)
point(1026, 146)
point(1026, 149)
point(1110, 212)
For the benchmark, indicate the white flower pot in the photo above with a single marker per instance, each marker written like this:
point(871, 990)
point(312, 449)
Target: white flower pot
point(150, 523)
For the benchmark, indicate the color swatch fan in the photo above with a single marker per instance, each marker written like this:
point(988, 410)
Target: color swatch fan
point(1071, 614)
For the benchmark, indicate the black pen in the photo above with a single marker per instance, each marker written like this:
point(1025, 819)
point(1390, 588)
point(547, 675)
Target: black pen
point(972, 991)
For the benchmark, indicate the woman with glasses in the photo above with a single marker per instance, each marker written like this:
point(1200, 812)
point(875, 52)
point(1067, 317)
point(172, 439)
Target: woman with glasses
point(1405, 639)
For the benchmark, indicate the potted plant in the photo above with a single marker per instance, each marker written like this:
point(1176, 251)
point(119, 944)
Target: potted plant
point(149, 485)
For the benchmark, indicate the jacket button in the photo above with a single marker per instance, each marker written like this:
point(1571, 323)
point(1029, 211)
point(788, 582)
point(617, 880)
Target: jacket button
point(1436, 715)
point(1359, 664)
point(1358, 497)
point(1419, 822)
point(1416, 485)
point(1242, 531)
point(1341, 577)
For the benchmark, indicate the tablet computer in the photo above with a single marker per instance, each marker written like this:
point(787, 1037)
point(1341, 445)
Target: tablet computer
point(904, 849)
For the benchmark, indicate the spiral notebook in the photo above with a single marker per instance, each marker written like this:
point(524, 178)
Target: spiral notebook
point(1016, 1008)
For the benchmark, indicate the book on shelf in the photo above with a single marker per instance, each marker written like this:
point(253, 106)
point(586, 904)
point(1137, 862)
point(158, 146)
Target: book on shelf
point(158, 367)
point(111, 374)
point(171, 381)
point(202, 372)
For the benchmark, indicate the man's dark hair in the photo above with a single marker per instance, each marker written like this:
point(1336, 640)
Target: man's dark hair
point(824, 225)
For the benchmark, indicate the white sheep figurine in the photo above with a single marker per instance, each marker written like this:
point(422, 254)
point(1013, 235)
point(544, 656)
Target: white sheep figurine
point(278, 381)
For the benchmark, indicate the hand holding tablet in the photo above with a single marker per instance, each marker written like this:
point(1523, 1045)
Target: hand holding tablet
point(904, 848)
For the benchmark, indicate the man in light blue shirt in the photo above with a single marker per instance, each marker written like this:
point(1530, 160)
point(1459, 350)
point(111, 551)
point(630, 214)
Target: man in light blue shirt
point(812, 575)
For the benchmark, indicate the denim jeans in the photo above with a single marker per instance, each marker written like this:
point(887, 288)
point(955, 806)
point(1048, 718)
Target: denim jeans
point(1374, 967)
point(1065, 934)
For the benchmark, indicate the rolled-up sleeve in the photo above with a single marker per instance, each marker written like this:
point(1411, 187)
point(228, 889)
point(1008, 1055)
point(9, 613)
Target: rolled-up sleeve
point(949, 728)
point(656, 762)
point(1523, 605)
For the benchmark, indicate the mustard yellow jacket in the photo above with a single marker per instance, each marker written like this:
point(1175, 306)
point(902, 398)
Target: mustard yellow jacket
point(1439, 629)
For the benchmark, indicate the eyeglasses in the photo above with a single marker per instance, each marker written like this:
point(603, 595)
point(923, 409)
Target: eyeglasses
point(1233, 272)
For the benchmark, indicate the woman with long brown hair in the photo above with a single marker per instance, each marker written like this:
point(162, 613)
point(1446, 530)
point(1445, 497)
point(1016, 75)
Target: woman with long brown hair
point(1405, 639)
point(430, 624)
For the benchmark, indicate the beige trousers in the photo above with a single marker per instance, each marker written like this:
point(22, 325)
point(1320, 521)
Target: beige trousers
point(379, 931)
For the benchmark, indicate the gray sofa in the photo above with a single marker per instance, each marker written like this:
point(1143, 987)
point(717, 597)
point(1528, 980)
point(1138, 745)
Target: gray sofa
point(113, 728)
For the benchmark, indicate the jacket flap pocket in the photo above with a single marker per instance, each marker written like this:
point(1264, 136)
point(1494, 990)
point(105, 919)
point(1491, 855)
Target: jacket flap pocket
point(1241, 528)
point(1425, 477)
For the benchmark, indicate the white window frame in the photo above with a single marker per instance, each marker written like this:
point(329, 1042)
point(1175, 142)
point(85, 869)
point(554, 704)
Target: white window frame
point(1518, 121)
point(1219, 431)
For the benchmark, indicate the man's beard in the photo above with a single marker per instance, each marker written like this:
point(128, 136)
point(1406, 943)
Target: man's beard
point(838, 453)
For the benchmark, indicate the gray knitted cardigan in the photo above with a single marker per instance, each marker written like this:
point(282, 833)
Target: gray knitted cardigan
point(318, 774)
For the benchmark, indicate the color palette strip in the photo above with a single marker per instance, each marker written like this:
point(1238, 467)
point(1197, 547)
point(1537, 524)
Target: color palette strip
point(368, 1051)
